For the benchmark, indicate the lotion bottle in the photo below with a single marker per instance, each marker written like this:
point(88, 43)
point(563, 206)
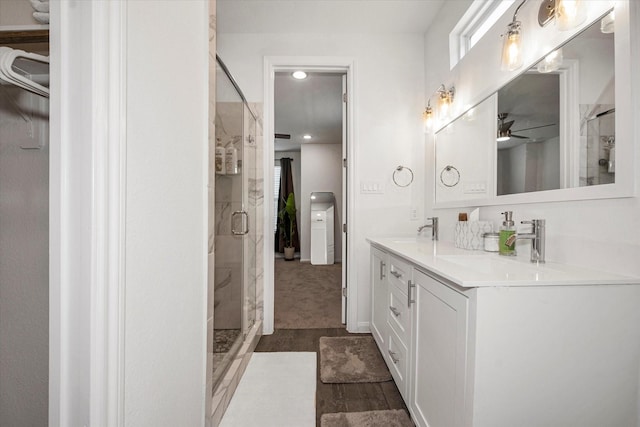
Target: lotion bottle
point(507, 242)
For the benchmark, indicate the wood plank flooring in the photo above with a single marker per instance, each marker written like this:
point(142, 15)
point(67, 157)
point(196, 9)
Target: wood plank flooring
point(333, 397)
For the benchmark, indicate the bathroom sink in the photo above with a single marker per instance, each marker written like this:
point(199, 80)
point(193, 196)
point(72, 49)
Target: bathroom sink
point(505, 268)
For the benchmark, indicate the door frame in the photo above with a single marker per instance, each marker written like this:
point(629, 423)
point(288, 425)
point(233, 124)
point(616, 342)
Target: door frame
point(273, 64)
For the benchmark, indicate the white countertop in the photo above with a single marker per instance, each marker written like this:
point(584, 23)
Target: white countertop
point(471, 269)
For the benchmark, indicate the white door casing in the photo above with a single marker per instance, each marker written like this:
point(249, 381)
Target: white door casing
point(272, 64)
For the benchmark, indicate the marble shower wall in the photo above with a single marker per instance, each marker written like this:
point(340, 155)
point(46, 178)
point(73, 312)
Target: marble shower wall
point(228, 248)
point(256, 201)
point(597, 138)
point(211, 208)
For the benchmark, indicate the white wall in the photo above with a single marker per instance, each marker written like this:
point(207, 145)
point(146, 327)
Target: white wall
point(16, 12)
point(166, 220)
point(388, 101)
point(600, 234)
point(321, 171)
point(24, 258)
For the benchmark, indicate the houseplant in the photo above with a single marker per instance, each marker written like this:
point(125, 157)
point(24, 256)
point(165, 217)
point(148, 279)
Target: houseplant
point(287, 220)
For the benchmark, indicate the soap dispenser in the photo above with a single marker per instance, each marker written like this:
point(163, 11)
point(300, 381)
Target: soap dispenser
point(507, 242)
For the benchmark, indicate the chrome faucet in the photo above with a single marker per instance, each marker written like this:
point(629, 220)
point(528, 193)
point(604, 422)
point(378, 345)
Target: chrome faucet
point(433, 226)
point(537, 237)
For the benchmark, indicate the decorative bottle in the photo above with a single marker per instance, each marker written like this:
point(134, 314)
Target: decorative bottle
point(507, 242)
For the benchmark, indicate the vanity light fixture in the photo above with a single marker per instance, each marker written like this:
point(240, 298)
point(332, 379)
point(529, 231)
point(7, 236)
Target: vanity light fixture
point(427, 117)
point(512, 43)
point(608, 23)
point(299, 75)
point(551, 62)
point(568, 13)
point(445, 99)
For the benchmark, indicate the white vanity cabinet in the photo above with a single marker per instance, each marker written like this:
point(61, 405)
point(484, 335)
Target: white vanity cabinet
point(399, 322)
point(390, 313)
point(379, 296)
point(559, 351)
point(438, 353)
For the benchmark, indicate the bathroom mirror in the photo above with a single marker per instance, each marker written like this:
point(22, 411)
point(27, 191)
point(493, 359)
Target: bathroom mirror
point(561, 126)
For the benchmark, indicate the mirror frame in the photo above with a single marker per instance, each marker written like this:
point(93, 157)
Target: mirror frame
point(626, 92)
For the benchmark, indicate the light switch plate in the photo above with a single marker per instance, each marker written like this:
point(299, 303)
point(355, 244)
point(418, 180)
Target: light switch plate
point(372, 187)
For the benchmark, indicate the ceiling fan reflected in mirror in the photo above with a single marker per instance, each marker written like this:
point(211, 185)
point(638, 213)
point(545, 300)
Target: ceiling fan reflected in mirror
point(504, 129)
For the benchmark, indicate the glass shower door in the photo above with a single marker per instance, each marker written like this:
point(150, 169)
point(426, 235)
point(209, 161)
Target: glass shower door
point(234, 227)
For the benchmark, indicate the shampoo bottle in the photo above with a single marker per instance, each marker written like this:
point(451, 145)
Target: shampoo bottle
point(220, 155)
point(507, 242)
point(231, 161)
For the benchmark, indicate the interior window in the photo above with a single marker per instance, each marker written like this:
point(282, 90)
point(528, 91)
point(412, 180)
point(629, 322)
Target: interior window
point(474, 24)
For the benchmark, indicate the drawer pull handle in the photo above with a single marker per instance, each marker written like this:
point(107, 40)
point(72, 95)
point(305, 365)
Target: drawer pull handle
point(393, 357)
point(396, 274)
point(382, 265)
point(409, 286)
point(394, 311)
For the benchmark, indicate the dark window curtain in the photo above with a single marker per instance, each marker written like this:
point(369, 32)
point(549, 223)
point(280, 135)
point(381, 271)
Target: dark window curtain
point(286, 187)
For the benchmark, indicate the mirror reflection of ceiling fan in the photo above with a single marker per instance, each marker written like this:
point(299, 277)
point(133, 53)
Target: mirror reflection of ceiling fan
point(504, 128)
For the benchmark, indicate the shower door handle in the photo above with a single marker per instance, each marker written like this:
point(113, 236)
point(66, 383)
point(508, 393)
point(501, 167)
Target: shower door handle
point(245, 223)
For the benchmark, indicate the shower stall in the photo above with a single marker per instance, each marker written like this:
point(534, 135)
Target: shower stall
point(234, 238)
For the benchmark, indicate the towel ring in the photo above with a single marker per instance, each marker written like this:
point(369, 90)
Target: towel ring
point(396, 174)
point(451, 179)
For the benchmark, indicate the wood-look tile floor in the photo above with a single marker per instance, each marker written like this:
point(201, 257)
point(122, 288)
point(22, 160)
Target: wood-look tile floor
point(333, 397)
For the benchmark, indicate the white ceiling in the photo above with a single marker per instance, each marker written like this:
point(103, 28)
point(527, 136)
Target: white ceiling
point(326, 16)
point(311, 106)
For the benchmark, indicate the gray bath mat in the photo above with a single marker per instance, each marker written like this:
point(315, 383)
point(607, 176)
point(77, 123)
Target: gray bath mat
point(351, 360)
point(390, 418)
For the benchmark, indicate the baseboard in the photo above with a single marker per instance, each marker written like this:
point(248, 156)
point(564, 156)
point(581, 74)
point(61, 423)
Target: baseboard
point(362, 328)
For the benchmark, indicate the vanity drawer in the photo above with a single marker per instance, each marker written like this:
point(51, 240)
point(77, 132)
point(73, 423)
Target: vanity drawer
point(399, 313)
point(398, 364)
point(399, 273)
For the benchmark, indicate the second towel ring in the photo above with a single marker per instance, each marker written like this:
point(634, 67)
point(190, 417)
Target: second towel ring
point(452, 178)
point(408, 181)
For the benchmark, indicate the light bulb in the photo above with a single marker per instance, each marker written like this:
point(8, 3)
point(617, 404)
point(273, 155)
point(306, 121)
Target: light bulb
point(569, 14)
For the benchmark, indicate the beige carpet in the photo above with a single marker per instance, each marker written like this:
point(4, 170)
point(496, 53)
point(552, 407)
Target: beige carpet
point(307, 296)
point(387, 418)
point(351, 360)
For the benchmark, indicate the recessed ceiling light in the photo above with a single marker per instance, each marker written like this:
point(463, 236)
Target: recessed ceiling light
point(306, 136)
point(299, 75)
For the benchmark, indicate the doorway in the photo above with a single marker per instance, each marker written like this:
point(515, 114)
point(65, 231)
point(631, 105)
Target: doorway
point(308, 129)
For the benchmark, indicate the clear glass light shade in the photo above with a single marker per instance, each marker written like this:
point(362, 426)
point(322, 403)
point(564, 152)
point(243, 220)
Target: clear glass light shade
point(444, 107)
point(512, 47)
point(570, 14)
point(551, 62)
point(608, 23)
point(427, 118)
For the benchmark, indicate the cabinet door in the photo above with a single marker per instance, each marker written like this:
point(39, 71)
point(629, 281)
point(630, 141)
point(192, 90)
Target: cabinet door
point(439, 347)
point(379, 297)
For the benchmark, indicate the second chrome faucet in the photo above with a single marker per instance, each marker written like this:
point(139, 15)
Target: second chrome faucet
point(433, 226)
